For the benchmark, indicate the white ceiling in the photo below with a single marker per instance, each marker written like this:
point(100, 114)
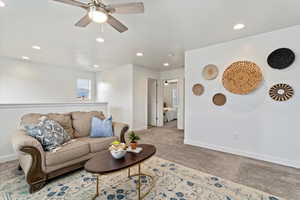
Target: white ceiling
point(168, 26)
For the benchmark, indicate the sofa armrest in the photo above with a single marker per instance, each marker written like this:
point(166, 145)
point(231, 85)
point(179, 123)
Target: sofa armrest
point(31, 157)
point(120, 130)
point(20, 139)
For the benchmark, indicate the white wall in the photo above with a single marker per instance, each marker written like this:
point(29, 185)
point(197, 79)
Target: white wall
point(140, 100)
point(126, 90)
point(25, 81)
point(253, 125)
point(116, 87)
point(172, 74)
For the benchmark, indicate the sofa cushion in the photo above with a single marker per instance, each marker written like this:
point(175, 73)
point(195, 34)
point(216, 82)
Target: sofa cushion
point(82, 122)
point(69, 151)
point(64, 120)
point(31, 118)
point(101, 128)
point(98, 144)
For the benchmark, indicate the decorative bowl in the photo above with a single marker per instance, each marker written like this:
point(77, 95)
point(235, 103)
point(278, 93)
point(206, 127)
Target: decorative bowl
point(118, 154)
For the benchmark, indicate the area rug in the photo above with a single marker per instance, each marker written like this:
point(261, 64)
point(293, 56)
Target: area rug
point(173, 182)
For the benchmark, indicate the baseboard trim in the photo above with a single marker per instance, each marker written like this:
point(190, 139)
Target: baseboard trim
point(272, 159)
point(8, 158)
point(141, 128)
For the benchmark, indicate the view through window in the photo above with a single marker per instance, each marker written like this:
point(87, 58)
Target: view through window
point(83, 88)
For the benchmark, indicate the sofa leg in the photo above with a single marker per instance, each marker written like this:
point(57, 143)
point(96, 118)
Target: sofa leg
point(36, 186)
point(35, 176)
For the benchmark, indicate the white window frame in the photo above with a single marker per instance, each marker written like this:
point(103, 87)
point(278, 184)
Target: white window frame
point(89, 97)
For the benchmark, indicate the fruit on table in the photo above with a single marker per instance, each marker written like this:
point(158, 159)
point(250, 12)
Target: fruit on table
point(117, 146)
point(116, 142)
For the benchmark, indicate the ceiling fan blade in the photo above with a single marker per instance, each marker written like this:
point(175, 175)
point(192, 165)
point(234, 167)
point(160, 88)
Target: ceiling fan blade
point(73, 3)
point(116, 24)
point(83, 22)
point(126, 8)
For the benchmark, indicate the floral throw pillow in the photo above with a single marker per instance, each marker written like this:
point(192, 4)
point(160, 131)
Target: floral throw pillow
point(49, 133)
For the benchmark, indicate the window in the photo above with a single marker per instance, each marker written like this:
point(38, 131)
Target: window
point(83, 88)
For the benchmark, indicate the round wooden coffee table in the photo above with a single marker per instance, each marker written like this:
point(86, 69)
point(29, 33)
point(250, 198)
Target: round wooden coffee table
point(103, 163)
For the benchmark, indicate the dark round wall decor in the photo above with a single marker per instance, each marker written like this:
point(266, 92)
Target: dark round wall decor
point(219, 99)
point(281, 58)
point(281, 92)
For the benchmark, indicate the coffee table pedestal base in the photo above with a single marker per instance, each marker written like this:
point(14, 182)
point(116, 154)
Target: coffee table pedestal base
point(138, 185)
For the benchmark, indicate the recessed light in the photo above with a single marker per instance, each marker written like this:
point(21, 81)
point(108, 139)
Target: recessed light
point(96, 66)
point(139, 54)
point(36, 47)
point(2, 4)
point(166, 64)
point(25, 58)
point(239, 26)
point(100, 39)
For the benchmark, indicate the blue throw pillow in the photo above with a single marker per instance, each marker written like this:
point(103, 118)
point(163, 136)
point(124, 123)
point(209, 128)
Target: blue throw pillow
point(101, 128)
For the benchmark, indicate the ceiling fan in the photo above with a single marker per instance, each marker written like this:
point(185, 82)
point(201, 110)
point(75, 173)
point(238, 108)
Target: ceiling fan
point(98, 12)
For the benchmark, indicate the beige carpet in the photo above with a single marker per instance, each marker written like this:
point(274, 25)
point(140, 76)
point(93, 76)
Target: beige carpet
point(268, 177)
point(171, 124)
point(172, 182)
point(271, 178)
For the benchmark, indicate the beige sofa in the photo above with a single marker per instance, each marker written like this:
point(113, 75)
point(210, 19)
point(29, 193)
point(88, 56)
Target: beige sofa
point(40, 166)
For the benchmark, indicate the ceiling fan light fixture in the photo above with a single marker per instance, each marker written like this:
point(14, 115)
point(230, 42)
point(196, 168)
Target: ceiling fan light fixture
point(97, 16)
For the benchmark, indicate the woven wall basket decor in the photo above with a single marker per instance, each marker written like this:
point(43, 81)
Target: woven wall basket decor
point(242, 77)
point(281, 58)
point(210, 72)
point(281, 92)
point(219, 99)
point(198, 89)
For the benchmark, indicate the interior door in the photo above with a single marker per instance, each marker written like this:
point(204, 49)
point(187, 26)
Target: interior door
point(152, 102)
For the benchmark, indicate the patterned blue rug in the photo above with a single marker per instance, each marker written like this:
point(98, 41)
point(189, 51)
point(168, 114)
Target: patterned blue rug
point(173, 182)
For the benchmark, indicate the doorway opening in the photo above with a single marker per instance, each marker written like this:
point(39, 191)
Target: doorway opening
point(170, 103)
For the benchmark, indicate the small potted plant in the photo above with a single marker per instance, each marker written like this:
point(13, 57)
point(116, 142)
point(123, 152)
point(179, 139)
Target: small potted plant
point(133, 138)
